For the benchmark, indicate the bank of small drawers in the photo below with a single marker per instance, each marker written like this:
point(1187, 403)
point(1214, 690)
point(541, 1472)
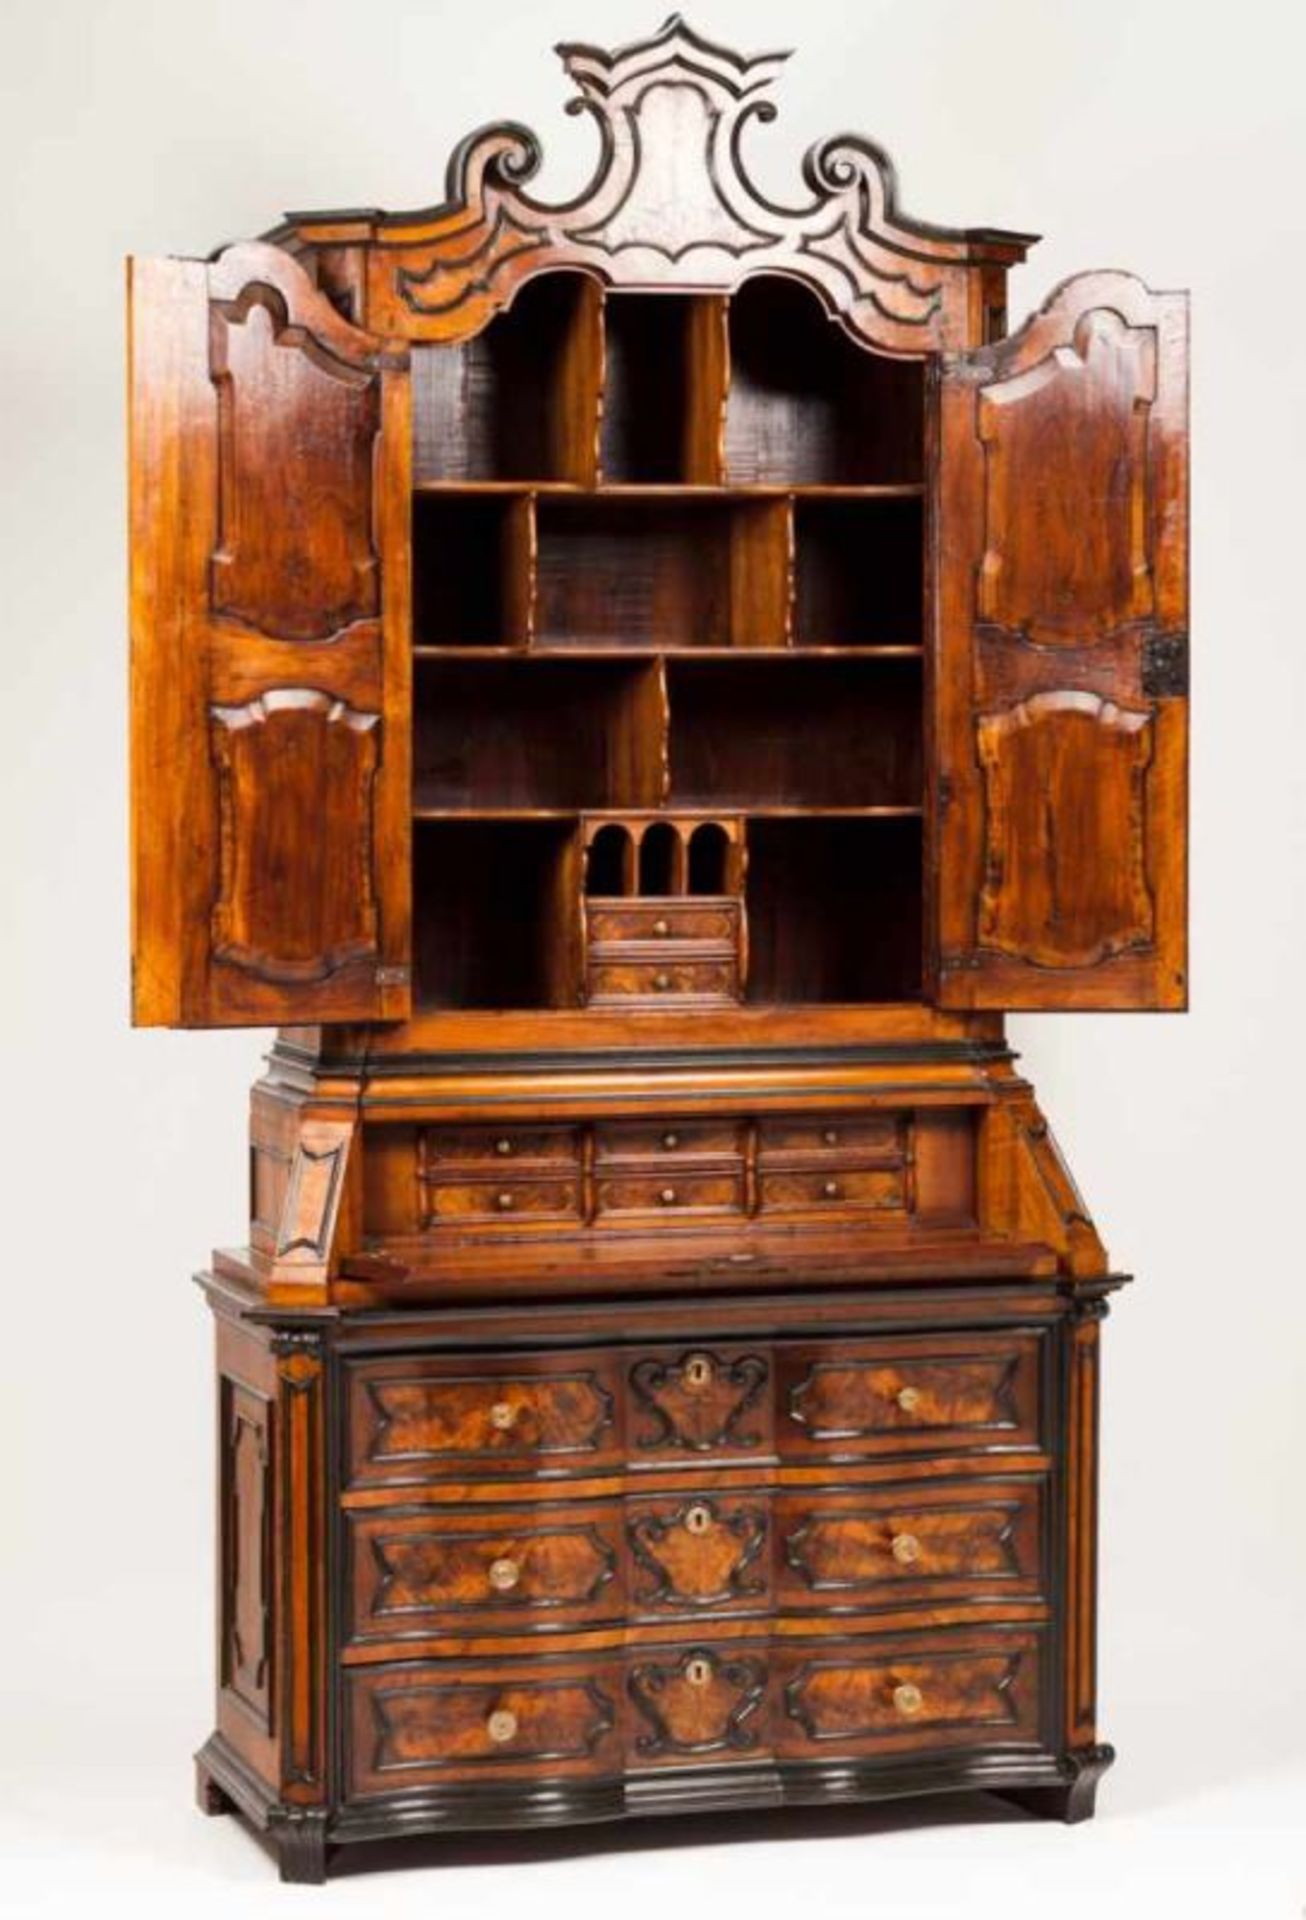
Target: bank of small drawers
point(619, 1172)
point(663, 952)
point(686, 1575)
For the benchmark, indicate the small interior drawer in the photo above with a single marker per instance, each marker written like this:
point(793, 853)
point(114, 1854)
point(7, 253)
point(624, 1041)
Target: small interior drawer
point(657, 920)
point(668, 979)
point(459, 1202)
point(667, 1140)
point(834, 1189)
point(862, 1136)
point(498, 1146)
point(669, 1194)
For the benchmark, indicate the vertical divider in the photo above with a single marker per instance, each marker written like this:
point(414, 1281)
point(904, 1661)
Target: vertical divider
point(707, 387)
point(664, 744)
point(578, 413)
point(520, 561)
point(791, 569)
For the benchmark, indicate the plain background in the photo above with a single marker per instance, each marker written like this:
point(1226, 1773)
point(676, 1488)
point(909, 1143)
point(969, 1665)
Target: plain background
point(1163, 137)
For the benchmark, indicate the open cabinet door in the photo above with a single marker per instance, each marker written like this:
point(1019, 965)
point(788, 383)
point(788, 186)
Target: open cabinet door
point(1062, 666)
point(270, 665)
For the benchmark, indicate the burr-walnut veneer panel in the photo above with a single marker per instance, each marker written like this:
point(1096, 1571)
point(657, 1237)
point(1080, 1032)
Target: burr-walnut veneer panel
point(636, 687)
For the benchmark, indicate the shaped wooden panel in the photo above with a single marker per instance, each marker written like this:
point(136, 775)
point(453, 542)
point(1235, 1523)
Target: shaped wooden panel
point(246, 1624)
point(297, 432)
point(1060, 802)
point(270, 650)
point(927, 1694)
point(297, 848)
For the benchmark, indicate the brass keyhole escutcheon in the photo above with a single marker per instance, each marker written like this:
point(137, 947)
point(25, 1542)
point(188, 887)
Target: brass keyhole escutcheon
point(697, 1371)
point(502, 1415)
point(504, 1575)
point(698, 1671)
point(909, 1399)
point(698, 1519)
point(502, 1725)
point(906, 1549)
point(908, 1699)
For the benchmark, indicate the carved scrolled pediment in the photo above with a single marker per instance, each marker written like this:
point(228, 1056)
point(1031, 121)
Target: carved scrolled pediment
point(670, 204)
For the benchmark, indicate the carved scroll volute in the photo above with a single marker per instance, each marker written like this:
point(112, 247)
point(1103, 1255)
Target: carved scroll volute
point(1062, 710)
point(672, 204)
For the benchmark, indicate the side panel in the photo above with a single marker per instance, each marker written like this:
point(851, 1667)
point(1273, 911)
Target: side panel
point(1062, 711)
point(270, 670)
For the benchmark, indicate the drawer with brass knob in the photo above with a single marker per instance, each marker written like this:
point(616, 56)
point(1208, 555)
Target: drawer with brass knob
point(879, 1547)
point(672, 1194)
point(453, 1202)
point(946, 1690)
point(918, 1394)
point(859, 1190)
point(711, 978)
point(414, 1573)
point(658, 1141)
point(420, 1724)
point(493, 1147)
point(437, 1417)
point(861, 1137)
point(705, 921)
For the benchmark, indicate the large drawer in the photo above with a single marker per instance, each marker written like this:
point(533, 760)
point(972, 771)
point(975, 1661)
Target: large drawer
point(426, 1723)
point(419, 1724)
point(416, 1571)
point(909, 1395)
point(429, 1417)
point(877, 1546)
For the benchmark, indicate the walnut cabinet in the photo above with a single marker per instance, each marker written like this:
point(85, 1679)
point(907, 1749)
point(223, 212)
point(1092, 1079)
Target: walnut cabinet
point(634, 689)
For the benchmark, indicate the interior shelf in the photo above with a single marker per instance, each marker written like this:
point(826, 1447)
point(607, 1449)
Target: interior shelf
point(812, 733)
point(834, 910)
point(664, 375)
point(537, 734)
point(858, 572)
point(664, 572)
point(520, 400)
point(497, 920)
point(806, 403)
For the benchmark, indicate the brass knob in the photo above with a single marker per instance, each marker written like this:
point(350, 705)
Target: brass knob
point(670, 1141)
point(662, 982)
point(504, 1575)
point(503, 1147)
point(668, 1196)
point(909, 1398)
point(907, 1698)
point(697, 1370)
point(661, 928)
point(503, 1201)
point(831, 1190)
point(502, 1725)
point(905, 1548)
point(698, 1671)
point(698, 1519)
point(502, 1415)
point(831, 1136)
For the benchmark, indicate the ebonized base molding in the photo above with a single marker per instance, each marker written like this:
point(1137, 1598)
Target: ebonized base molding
point(303, 1838)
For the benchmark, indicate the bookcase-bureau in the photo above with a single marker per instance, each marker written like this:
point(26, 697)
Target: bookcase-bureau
point(634, 689)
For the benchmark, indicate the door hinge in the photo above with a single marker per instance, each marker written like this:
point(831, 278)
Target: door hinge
point(392, 976)
point(1165, 665)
